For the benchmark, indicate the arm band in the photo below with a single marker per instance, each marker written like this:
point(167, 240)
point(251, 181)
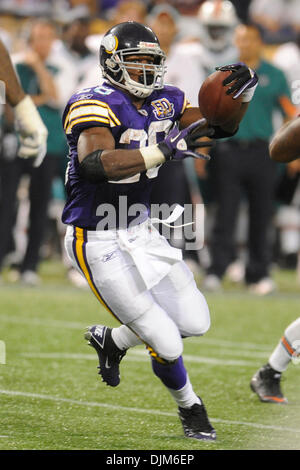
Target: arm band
point(91, 168)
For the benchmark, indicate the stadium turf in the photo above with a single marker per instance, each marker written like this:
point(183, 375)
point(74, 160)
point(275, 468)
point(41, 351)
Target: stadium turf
point(52, 398)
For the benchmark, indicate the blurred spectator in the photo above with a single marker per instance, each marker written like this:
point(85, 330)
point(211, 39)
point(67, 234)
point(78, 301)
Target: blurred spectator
point(46, 83)
point(166, 22)
point(127, 10)
point(287, 57)
point(188, 11)
point(218, 20)
point(242, 167)
point(63, 71)
point(278, 19)
point(189, 27)
point(74, 50)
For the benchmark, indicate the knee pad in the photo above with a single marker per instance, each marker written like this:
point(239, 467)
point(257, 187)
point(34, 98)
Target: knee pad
point(180, 297)
point(160, 334)
point(194, 317)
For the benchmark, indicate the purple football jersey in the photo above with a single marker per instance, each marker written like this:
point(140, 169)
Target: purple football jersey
point(115, 204)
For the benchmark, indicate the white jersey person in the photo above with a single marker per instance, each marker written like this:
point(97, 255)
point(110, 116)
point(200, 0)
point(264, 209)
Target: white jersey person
point(217, 20)
point(29, 125)
point(284, 148)
point(119, 134)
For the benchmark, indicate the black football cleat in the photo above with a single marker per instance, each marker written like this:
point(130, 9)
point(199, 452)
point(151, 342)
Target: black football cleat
point(266, 384)
point(196, 423)
point(110, 356)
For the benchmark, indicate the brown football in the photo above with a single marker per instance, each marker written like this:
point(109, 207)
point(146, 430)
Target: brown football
point(214, 104)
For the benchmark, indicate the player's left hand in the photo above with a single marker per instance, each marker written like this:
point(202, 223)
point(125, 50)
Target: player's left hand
point(181, 144)
point(32, 131)
point(244, 80)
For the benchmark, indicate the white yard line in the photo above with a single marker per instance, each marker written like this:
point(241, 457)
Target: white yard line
point(42, 322)
point(138, 355)
point(38, 396)
point(242, 354)
point(222, 343)
point(230, 344)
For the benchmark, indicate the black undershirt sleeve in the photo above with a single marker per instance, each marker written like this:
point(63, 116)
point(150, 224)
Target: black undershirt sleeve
point(221, 134)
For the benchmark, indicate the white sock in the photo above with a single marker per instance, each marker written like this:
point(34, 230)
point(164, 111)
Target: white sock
point(185, 397)
point(279, 359)
point(286, 348)
point(125, 338)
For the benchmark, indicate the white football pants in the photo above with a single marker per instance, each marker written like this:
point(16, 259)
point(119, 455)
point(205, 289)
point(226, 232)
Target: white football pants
point(143, 282)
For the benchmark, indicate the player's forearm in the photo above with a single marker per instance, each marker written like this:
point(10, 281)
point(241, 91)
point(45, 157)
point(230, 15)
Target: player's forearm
point(14, 91)
point(285, 145)
point(115, 165)
point(120, 164)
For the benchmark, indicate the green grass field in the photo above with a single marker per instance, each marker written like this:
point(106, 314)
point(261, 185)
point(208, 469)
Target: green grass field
point(52, 398)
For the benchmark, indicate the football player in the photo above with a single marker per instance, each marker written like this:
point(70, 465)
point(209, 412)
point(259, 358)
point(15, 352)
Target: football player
point(32, 131)
point(285, 145)
point(266, 381)
point(284, 148)
point(119, 134)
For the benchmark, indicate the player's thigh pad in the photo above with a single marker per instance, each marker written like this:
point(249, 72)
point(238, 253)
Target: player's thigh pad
point(111, 275)
point(178, 295)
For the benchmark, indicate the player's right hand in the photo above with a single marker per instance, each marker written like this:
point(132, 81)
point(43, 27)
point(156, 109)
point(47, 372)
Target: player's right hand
point(32, 131)
point(181, 144)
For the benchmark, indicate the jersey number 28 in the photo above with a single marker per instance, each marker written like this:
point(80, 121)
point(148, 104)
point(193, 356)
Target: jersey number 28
point(144, 139)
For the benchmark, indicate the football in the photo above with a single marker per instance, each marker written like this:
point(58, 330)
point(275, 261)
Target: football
point(214, 104)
